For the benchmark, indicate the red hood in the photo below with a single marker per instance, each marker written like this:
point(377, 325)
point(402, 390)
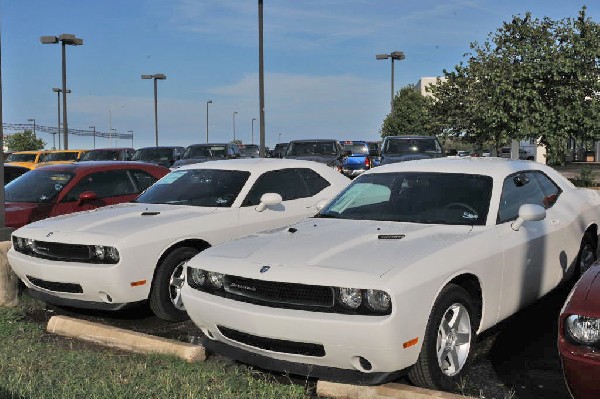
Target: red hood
point(19, 214)
point(586, 296)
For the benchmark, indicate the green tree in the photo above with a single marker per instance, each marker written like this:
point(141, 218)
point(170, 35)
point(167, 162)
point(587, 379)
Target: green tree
point(410, 116)
point(24, 141)
point(531, 78)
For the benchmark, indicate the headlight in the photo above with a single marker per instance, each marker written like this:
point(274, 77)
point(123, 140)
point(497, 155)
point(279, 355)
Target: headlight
point(350, 297)
point(24, 245)
point(196, 278)
point(102, 254)
point(582, 329)
point(215, 279)
point(378, 300)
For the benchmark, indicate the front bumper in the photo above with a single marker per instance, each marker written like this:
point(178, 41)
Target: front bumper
point(84, 285)
point(353, 172)
point(581, 368)
point(366, 348)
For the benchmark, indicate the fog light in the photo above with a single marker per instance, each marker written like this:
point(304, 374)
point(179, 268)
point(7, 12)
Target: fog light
point(350, 297)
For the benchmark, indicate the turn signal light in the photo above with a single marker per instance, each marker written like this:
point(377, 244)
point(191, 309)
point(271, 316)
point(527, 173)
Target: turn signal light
point(410, 343)
point(137, 283)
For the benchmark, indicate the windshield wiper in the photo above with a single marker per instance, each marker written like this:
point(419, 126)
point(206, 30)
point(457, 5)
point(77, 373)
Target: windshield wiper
point(325, 216)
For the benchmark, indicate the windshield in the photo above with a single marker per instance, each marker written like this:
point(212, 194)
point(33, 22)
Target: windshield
point(250, 150)
point(311, 148)
point(361, 148)
point(59, 156)
point(21, 158)
point(37, 186)
point(416, 197)
point(101, 155)
point(411, 146)
point(197, 187)
point(153, 154)
point(210, 151)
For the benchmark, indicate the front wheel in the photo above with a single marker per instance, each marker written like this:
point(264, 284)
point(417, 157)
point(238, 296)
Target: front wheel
point(165, 296)
point(587, 253)
point(448, 342)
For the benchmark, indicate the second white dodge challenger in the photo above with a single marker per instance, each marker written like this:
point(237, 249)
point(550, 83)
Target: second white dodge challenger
point(399, 273)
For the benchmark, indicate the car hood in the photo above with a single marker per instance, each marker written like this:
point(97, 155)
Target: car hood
point(326, 159)
point(585, 299)
point(20, 213)
point(120, 220)
point(359, 246)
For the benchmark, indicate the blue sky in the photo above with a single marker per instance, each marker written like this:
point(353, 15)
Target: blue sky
point(321, 76)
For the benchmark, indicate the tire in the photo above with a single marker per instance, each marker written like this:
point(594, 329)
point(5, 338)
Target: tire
point(587, 253)
point(444, 372)
point(165, 295)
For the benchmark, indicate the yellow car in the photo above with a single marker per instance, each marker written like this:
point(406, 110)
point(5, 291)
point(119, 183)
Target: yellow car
point(59, 156)
point(26, 159)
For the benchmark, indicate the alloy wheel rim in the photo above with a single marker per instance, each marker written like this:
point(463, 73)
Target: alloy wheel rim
point(175, 285)
point(453, 339)
point(587, 258)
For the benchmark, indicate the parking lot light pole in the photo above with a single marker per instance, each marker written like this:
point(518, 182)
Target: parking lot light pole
point(57, 91)
point(253, 119)
point(208, 102)
point(94, 127)
point(158, 76)
point(131, 131)
point(234, 114)
point(394, 55)
point(32, 120)
point(71, 40)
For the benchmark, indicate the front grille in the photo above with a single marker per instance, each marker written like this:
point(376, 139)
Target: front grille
point(66, 252)
point(273, 345)
point(54, 286)
point(280, 293)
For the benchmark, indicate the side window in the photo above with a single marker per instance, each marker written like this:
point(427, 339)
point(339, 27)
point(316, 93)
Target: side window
point(142, 180)
point(519, 189)
point(104, 184)
point(550, 189)
point(286, 182)
point(314, 181)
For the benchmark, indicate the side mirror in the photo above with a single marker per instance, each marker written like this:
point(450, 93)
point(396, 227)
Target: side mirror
point(268, 199)
point(87, 196)
point(528, 213)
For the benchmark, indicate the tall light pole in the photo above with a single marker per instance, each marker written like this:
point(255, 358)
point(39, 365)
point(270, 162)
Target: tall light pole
point(71, 40)
point(131, 131)
point(234, 114)
point(94, 127)
point(57, 91)
point(394, 55)
point(261, 79)
point(158, 76)
point(208, 102)
point(279, 138)
point(32, 120)
point(113, 132)
point(253, 119)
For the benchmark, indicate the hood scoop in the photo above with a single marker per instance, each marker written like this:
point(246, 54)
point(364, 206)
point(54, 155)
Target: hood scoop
point(150, 213)
point(390, 236)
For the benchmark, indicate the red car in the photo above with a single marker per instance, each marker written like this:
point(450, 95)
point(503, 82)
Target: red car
point(66, 188)
point(579, 336)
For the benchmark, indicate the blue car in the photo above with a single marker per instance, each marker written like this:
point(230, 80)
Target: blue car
point(357, 158)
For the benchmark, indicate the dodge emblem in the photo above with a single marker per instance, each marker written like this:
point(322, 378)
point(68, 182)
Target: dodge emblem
point(265, 269)
point(49, 234)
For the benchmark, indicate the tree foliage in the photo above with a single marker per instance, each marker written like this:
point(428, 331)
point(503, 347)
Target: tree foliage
point(410, 116)
point(532, 78)
point(24, 141)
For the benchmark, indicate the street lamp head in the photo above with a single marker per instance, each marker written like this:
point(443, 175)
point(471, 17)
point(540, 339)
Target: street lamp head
point(209, 102)
point(382, 56)
point(235, 112)
point(146, 76)
point(397, 55)
point(31, 120)
point(48, 39)
point(160, 76)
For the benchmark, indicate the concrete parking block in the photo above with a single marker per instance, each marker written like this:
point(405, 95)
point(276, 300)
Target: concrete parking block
point(391, 390)
point(123, 339)
point(9, 282)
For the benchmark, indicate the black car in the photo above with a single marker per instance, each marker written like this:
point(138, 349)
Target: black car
point(249, 150)
point(279, 150)
point(164, 156)
point(324, 151)
point(108, 154)
point(409, 147)
point(197, 153)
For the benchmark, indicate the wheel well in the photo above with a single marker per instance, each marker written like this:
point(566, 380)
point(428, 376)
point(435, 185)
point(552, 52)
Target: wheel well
point(470, 283)
point(200, 245)
point(593, 230)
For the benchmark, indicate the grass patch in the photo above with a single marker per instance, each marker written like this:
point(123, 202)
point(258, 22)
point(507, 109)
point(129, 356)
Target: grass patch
point(33, 366)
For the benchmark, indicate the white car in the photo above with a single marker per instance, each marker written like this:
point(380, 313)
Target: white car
point(119, 255)
point(398, 273)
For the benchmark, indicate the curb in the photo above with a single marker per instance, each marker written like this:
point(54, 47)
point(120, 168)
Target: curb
point(390, 390)
point(123, 339)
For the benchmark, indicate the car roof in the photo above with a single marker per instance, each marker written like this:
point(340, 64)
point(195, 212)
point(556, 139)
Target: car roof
point(207, 144)
point(100, 165)
point(255, 164)
point(495, 167)
point(312, 140)
point(410, 136)
point(160, 146)
point(111, 149)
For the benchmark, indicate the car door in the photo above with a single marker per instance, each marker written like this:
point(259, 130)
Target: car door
point(534, 258)
point(110, 187)
point(298, 199)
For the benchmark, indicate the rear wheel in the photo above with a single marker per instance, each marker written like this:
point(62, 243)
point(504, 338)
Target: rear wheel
point(448, 341)
point(587, 253)
point(165, 296)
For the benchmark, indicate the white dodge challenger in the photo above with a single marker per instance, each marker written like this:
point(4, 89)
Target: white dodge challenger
point(112, 257)
point(398, 273)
